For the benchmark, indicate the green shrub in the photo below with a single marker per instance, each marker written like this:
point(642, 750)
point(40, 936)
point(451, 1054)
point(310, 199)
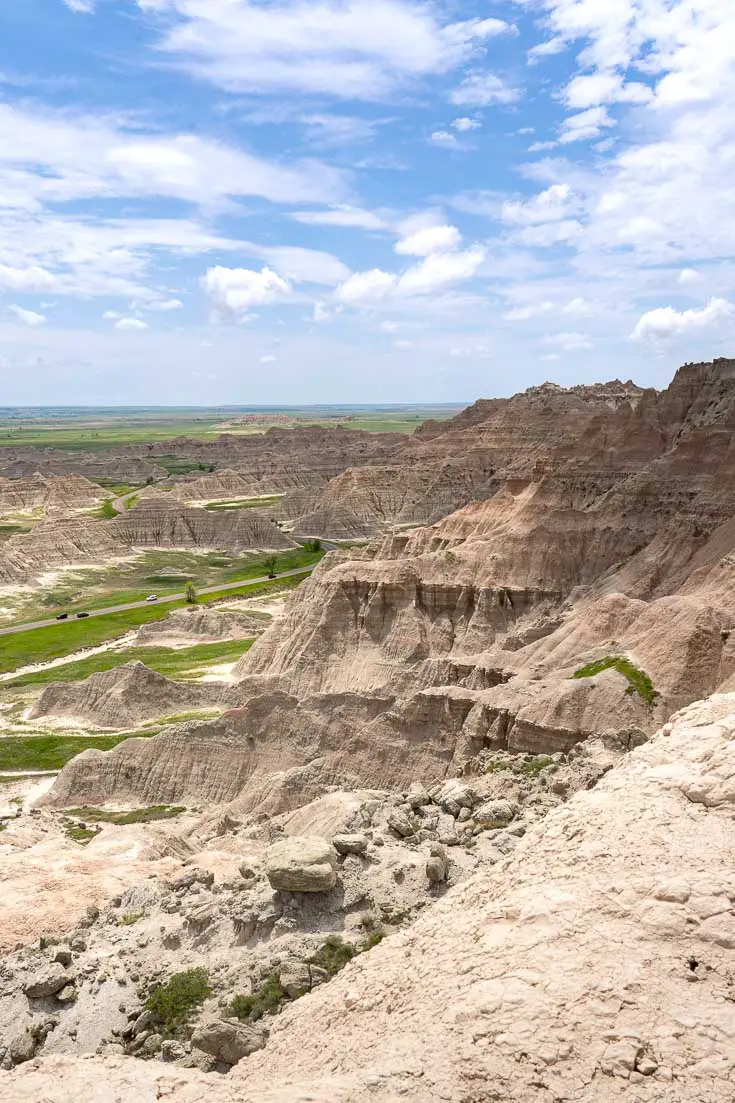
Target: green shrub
point(267, 1000)
point(172, 1003)
point(130, 918)
point(638, 681)
point(333, 955)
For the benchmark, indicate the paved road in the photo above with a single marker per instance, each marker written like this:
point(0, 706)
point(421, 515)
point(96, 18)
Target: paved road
point(167, 600)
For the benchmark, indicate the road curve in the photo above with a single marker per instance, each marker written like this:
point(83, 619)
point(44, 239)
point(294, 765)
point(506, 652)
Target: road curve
point(167, 600)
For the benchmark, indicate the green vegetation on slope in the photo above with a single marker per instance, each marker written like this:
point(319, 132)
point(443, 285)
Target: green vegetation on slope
point(638, 681)
point(246, 503)
point(51, 752)
point(164, 660)
point(171, 1004)
point(41, 645)
point(124, 819)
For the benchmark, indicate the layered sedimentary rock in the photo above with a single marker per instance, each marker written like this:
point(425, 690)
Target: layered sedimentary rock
point(594, 961)
point(158, 523)
point(49, 492)
point(204, 625)
point(123, 697)
point(591, 591)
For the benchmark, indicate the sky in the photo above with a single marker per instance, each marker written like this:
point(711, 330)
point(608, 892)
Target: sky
point(355, 201)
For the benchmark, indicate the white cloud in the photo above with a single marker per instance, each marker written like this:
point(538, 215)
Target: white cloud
point(551, 205)
point(440, 270)
point(585, 125)
point(132, 325)
point(322, 313)
point(465, 124)
point(343, 217)
point(359, 49)
point(369, 286)
point(483, 89)
point(333, 131)
point(689, 275)
point(268, 359)
point(568, 342)
point(84, 7)
point(30, 280)
point(469, 352)
point(429, 239)
point(530, 310)
point(404, 344)
point(579, 307)
point(666, 323)
point(304, 265)
point(446, 140)
point(111, 315)
point(27, 317)
point(593, 89)
point(389, 327)
point(165, 305)
point(233, 291)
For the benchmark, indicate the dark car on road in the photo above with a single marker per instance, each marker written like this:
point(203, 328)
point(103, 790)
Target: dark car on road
point(62, 616)
point(81, 616)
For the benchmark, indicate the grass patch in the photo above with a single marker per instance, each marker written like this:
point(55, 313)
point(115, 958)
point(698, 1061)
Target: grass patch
point(172, 1004)
point(124, 819)
point(528, 767)
point(272, 997)
point(51, 752)
point(79, 834)
point(164, 660)
point(638, 681)
point(245, 503)
point(131, 918)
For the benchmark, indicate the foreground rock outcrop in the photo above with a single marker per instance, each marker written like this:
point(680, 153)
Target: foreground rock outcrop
point(595, 959)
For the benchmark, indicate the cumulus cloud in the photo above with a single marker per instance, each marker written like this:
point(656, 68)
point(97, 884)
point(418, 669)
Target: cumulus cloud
point(83, 7)
point(689, 275)
point(369, 286)
point(269, 358)
point(433, 273)
point(483, 89)
point(30, 280)
point(464, 124)
point(234, 291)
point(530, 310)
point(445, 139)
point(27, 317)
point(667, 323)
point(358, 49)
point(429, 239)
point(585, 125)
point(132, 325)
point(305, 265)
point(551, 205)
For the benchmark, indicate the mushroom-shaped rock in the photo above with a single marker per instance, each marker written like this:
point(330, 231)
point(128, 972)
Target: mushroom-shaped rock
point(301, 865)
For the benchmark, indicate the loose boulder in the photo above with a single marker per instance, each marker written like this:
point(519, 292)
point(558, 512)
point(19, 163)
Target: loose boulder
point(350, 844)
point(47, 982)
point(227, 1040)
point(301, 865)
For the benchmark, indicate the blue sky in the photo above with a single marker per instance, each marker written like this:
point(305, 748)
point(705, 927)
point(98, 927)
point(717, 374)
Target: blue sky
point(295, 201)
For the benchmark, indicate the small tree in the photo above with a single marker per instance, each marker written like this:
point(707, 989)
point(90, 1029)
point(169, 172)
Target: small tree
point(191, 594)
point(270, 563)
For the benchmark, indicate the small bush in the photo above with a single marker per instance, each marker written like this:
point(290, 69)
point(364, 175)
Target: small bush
point(172, 1003)
point(267, 1000)
point(333, 955)
point(131, 918)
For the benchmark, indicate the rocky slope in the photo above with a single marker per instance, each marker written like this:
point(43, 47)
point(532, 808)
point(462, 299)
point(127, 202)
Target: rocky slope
point(594, 959)
point(592, 591)
point(122, 698)
point(49, 492)
point(202, 625)
point(157, 523)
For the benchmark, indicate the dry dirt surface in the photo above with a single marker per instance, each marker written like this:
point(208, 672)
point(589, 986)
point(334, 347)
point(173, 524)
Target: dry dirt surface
point(595, 961)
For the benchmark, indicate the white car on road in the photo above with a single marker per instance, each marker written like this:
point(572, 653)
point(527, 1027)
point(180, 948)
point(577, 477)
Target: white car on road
point(152, 597)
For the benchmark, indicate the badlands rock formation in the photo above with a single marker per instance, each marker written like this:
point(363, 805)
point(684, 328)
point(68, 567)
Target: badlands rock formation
point(122, 698)
point(595, 959)
point(159, 523)
point(202, 625)
point(49, 492)
point(592, 591)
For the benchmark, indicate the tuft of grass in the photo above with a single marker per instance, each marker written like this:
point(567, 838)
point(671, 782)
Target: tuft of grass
point(529, 767)
point(638, 681)
point(130, 918)
point(172, 1004)
point(123, 819)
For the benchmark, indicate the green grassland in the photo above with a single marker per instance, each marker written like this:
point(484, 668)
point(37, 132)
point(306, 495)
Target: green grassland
point(51, 752)
point(41, 645)
point(246, 503)
point(179, 663)
point(160, 572)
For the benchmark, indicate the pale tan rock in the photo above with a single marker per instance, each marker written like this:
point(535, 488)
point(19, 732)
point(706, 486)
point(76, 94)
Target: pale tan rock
point(300, 864)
